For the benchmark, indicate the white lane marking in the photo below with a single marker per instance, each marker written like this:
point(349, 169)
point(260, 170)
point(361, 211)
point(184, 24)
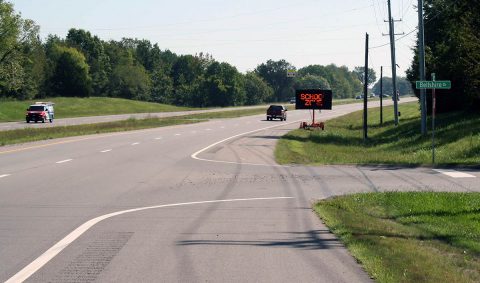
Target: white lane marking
point(106, 150)
point(454, 173)
point(195, 155)
point(135, 143)
point(43, 259)
point(4, 175)
point(178, 135)
point(159, 138)
point(222, 127)
point(64, 161)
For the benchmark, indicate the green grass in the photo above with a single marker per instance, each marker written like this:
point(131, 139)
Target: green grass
point(68, 107)
point(36, 134)
point(409, 237)
point(457, 139)
point(353, 100)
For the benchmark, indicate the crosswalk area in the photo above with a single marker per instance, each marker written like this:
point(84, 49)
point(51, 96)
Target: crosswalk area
point(456, 174)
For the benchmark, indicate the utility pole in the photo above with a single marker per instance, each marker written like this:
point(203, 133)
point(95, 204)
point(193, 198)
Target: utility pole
point(394, 64)
point(421, 63)
point(381, 95)
point(365, 92)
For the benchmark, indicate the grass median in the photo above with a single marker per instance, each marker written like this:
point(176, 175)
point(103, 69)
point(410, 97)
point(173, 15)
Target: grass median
point(37, 134)
point(457, 140)
point(409, 237)
point(69, 107)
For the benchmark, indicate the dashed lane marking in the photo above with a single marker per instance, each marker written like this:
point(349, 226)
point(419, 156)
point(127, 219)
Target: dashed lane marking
point(454, 173)
point(159, 138)
point(135, 143)
point(106, 150)
point(43, 259)
point(4, 175)
point(64, 161)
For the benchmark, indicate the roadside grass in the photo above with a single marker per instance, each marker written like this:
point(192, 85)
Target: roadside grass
point(409, 236)
point(37, 134)
point(69, 107)
point(457, 140)
point(353, 100)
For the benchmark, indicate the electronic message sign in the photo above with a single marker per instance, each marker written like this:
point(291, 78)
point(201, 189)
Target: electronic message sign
point(313, 99)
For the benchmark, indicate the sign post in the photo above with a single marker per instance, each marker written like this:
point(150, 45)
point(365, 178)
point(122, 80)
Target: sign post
point(433, 84)
point(291, 73)
point(434, 101)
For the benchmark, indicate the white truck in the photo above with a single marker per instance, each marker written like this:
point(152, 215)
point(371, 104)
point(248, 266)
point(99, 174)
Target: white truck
point(40, 111)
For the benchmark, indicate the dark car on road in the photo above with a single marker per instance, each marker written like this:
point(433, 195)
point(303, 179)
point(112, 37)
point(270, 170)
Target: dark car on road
point(277, 112)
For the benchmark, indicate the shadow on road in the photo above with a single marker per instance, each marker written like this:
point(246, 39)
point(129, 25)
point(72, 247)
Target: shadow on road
point(309, 240)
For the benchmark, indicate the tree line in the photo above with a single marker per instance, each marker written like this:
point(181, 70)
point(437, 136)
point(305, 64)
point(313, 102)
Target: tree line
point(83, 65)
point(452, 47)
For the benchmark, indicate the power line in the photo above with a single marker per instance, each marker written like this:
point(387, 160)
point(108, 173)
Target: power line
point(415, 29)
point(168, 26)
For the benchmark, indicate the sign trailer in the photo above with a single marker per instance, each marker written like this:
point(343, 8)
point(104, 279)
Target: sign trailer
point(313, 99)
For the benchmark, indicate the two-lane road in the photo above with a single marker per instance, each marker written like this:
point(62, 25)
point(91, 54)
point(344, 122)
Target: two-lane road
point(202, 202)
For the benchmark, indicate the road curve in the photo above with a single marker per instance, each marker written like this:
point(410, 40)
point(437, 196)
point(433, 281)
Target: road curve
point(150, 212)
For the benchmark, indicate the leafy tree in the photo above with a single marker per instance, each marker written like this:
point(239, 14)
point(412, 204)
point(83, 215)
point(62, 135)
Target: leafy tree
point(223, 85)
point(256, 89)
point(403, 86)
point(93, 49)
point(275, 74)
point(21, 57)
point(71, 74)
point(452, 48)
point(162, 87)
point(131, 81)
point(187, 75)
point(344, 83)
point(360, 73)
point(311, 81)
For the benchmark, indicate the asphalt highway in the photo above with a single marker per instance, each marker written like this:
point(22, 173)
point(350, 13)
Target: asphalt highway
point(190, 203)
point(110, 118)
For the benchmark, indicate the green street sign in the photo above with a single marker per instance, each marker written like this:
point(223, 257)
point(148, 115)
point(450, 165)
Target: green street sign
point(434, 84)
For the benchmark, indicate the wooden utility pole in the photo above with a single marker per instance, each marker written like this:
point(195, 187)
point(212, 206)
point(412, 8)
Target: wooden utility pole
point(421, 64)
point(381, 95)
point(394, 64)
point(365, 92)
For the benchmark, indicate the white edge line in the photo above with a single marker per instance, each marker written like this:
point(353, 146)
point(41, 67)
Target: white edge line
point(195, 155)
point(43, 259)
point(64, 161)
point(4, 175)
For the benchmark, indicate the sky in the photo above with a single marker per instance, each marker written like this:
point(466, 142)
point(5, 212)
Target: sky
point(243, 33)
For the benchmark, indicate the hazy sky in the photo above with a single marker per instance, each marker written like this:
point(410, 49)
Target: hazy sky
point(243, 33)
